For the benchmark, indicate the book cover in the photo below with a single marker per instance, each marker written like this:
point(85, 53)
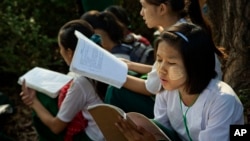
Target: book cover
point(106, 115)
point(45, 81)
point(93, 61)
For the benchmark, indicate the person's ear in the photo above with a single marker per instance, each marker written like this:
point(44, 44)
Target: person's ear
point(70, 53)
point(163, 8)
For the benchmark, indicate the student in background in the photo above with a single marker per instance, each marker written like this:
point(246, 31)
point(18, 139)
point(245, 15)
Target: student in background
point(111, 31)
point(193, 106)
point(72, 117)
point(123, 17)
point(135, 90)
point(140, 44)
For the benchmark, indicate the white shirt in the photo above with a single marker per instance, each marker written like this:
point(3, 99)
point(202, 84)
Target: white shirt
point(80, 95)
point(153, 82)
point(208, 119)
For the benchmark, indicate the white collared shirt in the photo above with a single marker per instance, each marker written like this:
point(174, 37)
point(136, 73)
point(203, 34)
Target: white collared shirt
point(208, 119)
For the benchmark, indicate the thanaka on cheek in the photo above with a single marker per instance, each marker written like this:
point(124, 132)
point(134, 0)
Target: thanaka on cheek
point(175, 73)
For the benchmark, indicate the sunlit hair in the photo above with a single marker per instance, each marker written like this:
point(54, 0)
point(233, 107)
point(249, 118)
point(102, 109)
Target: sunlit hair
point(107, 22)
point(120, 13)
point(91, 17)
point(197, 54)
point(176, 5)
point(66, 34)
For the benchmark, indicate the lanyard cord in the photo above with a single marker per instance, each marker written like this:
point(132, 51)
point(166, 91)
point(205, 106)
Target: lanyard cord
point(185, 120)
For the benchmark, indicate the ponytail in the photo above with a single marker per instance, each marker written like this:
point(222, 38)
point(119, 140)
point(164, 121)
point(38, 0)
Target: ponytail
point(195, 15)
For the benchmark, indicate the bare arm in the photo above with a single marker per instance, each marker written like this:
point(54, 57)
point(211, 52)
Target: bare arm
point(138, 67)
point(29, 98)
point(137, 85)
point(54, 123)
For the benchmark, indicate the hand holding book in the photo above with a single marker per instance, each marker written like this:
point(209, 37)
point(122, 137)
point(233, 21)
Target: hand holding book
point(133, 132)
point(45, 81)
point(28, 95)
point(106, 117)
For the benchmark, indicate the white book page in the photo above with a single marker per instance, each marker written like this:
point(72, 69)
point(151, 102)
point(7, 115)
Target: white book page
point(45, 81)
point(94, 62)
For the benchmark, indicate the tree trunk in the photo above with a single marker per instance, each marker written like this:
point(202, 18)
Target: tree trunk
point(230, 21)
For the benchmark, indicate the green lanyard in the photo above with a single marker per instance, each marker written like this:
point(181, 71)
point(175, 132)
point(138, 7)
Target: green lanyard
point(185, 120)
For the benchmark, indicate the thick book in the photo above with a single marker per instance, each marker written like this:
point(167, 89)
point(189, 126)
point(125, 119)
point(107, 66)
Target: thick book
point(45, 81)
point(106, 115)
point(94, 62)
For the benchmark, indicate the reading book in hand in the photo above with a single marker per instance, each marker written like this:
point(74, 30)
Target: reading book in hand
point(94, 62)
point(45, 81)
point(106, 115)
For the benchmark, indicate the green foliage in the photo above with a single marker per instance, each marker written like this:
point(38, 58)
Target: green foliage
point(28, 37)
point(244, 96)
point(28, 33)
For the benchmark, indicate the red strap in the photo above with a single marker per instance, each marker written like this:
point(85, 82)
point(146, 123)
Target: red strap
point(78, 124)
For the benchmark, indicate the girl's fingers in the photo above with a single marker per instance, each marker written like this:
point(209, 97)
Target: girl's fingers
point(21, 94)
point(23, 85)
point(26, 99)
point(133, 132)
point(128, 129)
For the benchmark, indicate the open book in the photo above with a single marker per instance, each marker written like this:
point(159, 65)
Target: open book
point(106, 115)
point(93, 61)
point(45, 81)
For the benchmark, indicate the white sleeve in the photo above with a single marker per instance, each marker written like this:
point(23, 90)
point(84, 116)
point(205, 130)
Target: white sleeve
point(224, 111)
point(74, 101)
point(160, 111)
point(153, 83)
point(218, 68)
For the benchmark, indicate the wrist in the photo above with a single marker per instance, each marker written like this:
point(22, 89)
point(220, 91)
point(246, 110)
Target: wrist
point(131, 66)
point(34, 103)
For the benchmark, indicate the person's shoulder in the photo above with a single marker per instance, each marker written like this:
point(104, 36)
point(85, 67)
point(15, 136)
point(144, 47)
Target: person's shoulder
point(220, 91)
point(80, 79)
point(220, 87)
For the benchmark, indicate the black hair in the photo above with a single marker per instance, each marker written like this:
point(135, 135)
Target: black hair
point(110, 24)
point(177, 6)
point(68, 39)
point(190, 9)
point(67, 36)
point(91, 17)
point(197, 53)
point(120, 13)
point(195, 15)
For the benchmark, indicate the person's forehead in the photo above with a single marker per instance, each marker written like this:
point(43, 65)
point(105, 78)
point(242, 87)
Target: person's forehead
point(168, 50)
